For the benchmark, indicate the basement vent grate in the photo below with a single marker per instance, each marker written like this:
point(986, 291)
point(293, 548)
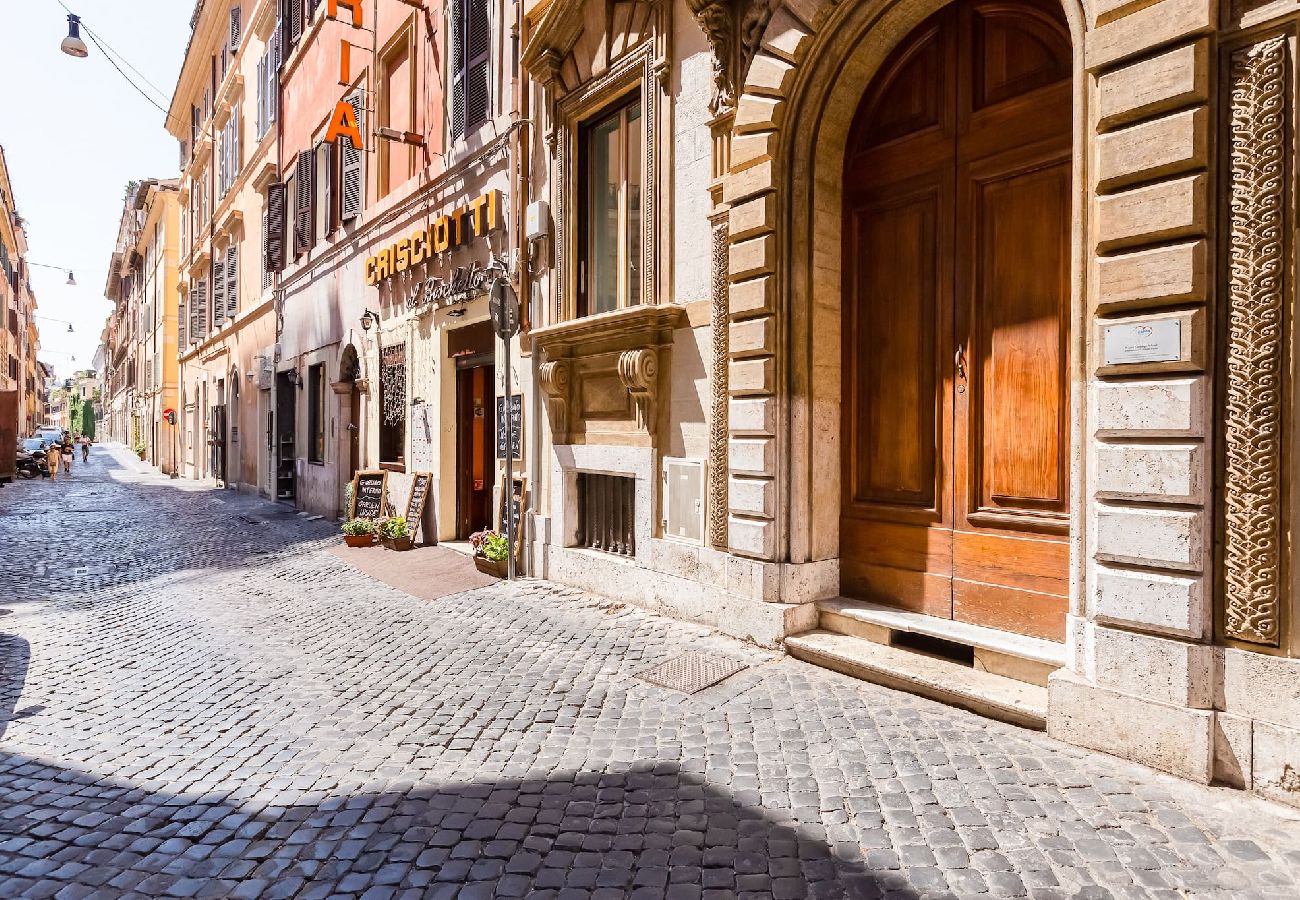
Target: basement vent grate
point(692, 672)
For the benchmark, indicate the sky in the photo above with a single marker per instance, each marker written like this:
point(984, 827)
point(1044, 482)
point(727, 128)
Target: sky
point(74, 133)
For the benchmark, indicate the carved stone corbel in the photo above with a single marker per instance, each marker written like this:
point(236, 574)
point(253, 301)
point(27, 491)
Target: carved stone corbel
point(547, 67)
point(718, 21)
point(639, 371)
point(555, 385)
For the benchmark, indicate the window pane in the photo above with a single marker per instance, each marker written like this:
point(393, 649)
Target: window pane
point(633, 139)
point(602, 216)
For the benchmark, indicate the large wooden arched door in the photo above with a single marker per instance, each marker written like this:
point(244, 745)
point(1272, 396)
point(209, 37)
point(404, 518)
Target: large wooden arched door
point(956, 321)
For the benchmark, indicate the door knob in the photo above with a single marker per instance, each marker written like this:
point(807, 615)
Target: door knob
point(959, 361)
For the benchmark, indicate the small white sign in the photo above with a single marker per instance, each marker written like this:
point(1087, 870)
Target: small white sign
point(1140, 342)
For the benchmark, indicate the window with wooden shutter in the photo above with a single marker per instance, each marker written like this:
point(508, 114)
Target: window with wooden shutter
point(478, 50)
point(266, 234)
point(352, 182)
point(232, 280)
point(236, 155)
point(295, 21)
point(235, 28)
point(322, 199)
point(456, 33)
point(273, 244)
point(182, 311)
point(218, 288)
point(303, 218)
point(262, 121)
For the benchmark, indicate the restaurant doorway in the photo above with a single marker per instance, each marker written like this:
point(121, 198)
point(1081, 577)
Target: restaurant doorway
point(472, 348)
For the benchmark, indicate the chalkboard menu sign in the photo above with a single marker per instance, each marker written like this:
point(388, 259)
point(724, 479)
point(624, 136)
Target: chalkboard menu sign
point(420, 482)
point(518, 491)
point(516, 425)
point(368, 491)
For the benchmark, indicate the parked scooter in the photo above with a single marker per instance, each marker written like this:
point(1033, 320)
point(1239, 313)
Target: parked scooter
point(32, 465)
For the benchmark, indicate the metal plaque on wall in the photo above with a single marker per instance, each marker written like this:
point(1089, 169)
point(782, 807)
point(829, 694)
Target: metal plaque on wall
point(424, 437)
point(1141, 342)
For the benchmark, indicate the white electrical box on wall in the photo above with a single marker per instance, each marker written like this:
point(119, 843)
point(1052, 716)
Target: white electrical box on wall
point(683, 499)
point(537, 220)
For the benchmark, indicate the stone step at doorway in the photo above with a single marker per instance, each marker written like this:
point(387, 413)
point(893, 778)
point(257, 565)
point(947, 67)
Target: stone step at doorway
point(990, 672)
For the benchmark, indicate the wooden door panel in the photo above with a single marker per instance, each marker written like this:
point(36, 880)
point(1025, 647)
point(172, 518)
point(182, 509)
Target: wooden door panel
point(1015, 49)
point(899, 545)
point(1018, 401)
point(929, 593)
point(1025, 563)
point(897, 303)
point(1021, 375)
point(1023, 612)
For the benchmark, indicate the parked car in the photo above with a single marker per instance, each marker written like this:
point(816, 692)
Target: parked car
point(48, 433)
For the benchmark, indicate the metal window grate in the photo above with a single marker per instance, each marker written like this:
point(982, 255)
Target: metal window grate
point(607, 513)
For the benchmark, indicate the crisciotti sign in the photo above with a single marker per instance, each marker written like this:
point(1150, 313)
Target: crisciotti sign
point(448, 231)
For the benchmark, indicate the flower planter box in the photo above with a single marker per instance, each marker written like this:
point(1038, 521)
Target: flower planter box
point(402, 543)
point(359, 540)
point(496, 568)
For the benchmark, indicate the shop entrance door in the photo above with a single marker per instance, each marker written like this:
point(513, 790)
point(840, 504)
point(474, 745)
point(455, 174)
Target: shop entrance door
point(217, 442)
point(956, 322)
point(475, 468)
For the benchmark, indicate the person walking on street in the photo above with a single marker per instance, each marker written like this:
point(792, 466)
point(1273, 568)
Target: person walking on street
point(52, 459)
point(85, 449)
point(67, 455)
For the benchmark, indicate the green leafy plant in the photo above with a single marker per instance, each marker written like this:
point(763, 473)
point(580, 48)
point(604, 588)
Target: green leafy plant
point(358, 526)
point(394, 528)
point(140, 447)
point(495, 547)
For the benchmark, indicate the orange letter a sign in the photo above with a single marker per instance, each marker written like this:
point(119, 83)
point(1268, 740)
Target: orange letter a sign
point(344, 124)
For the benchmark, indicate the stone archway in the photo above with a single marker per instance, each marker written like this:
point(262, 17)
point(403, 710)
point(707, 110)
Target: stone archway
point(347, 417)
point(809, 63)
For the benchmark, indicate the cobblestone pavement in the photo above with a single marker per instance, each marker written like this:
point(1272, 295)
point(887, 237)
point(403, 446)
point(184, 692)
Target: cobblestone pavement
point(196, 700)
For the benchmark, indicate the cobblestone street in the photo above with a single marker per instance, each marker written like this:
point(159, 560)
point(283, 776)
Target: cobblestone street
point(196, 699)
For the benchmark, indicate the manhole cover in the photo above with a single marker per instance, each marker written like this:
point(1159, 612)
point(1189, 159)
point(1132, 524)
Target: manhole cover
point(692, 672)
point(94, 570)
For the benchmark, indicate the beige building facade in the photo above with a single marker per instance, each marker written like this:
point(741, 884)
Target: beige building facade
point(19, 336)
point(223, 113)
point(141, 389)
point(869, 328)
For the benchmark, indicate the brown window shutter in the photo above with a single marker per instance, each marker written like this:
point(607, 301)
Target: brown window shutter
point(456, 30)
point(478, 51)
point(273, 246)
point(232, 280)
point(218, 288)
point(302, 213)
point(236, 30)
point(352, 181)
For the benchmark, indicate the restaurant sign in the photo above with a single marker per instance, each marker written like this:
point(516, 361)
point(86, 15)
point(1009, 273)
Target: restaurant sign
point(444, 233)
point(464, 284)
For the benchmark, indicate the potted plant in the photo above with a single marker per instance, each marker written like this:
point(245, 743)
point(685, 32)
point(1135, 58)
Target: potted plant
point(490, 552)
point(396, 533)
point(140, 449)
point(359, 532)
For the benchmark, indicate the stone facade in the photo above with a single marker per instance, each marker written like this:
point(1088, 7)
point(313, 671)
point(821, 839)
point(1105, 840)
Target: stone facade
point(1180, 630)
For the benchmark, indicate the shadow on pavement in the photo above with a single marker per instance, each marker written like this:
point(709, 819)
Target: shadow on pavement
point(650, 831)
point(15, 657)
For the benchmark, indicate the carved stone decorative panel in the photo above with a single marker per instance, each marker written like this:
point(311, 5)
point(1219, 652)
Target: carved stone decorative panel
point(719, 381)
point(1255, 347)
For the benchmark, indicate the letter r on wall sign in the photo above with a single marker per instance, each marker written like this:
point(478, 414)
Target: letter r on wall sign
point(332, 10)
point(344, 124)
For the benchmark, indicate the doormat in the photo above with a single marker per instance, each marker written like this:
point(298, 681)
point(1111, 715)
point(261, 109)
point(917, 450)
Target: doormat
point(692, 672)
